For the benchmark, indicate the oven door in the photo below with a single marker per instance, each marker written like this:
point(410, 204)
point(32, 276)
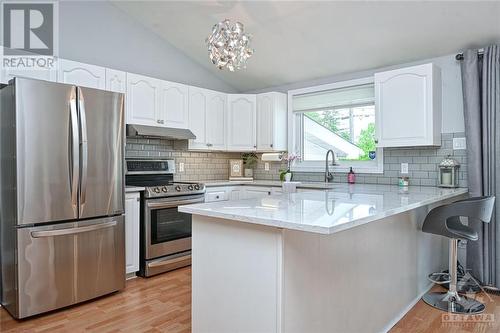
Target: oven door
point(167, 231)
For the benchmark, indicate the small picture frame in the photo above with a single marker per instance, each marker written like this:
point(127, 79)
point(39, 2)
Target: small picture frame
point(236, 168)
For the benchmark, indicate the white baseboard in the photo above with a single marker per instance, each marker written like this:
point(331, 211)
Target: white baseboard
point(393, 322)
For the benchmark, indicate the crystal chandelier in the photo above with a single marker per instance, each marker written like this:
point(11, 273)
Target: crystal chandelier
point(228, 45)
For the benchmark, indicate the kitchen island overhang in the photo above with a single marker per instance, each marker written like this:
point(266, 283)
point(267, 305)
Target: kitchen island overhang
point(352, 259)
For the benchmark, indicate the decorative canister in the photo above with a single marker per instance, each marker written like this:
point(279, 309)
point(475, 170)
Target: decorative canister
point(404, 181)
point(448, 172)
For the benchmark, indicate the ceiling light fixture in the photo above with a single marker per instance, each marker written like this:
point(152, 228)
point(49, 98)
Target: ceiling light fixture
point(228, 45)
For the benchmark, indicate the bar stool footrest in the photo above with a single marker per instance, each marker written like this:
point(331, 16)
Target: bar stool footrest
point(439, 278)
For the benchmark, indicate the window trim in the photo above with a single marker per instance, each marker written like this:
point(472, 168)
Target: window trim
point(295, 138)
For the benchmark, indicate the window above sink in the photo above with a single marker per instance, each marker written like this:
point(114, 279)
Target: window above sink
point(339, 116)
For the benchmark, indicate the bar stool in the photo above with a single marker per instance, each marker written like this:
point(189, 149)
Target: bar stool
point(445, 221)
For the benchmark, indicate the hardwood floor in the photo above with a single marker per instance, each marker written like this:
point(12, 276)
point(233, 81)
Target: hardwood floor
point(163, 304)
point(158, 304)
point(423, 318)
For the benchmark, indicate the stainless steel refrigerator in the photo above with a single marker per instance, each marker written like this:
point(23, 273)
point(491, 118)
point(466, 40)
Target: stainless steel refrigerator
point(62, 198)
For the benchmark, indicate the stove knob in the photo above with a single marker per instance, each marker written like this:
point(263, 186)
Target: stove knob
point(197, 187)
point(156, 190)
point(164, 189)
point(178, 188)
point(190, 187)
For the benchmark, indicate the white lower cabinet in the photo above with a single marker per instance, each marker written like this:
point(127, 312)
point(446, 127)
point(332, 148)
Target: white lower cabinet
point(132, 219)
point(236, 193)
point(218, 195)
point(224, 193)
point(257, 192)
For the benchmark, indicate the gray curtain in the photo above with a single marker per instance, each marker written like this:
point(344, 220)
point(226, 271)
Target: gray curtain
point(481, 91)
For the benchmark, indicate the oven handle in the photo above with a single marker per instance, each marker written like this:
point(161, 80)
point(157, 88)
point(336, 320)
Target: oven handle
point(171, 204)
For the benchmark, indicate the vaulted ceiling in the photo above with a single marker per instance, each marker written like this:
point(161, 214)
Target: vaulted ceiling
point(305, 40)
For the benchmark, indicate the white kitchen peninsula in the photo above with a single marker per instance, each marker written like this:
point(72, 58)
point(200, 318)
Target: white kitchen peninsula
point(351, 259)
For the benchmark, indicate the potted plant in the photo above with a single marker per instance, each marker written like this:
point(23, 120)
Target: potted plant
point(286, 174)
point(250, 161)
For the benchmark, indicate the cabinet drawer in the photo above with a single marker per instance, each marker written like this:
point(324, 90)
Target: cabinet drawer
point(215, 196)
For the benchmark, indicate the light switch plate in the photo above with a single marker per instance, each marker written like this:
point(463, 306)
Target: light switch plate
point(459, 143)
point(266, 166)
point(181, 167)
point(404, 167)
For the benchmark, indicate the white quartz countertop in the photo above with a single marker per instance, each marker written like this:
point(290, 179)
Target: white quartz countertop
point(326, 212)
point(272, 183)
point(129, 189)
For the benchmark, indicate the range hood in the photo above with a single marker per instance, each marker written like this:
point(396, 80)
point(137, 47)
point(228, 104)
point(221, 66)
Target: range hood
point(159, 132)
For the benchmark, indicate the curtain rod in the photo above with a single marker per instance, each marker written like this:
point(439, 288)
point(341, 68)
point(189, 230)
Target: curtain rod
point(460, 56)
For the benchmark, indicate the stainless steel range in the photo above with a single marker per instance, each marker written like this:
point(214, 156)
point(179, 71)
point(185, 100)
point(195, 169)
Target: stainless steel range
point(165, 232)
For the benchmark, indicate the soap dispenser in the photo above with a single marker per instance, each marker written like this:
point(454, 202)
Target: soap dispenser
point(351, 177)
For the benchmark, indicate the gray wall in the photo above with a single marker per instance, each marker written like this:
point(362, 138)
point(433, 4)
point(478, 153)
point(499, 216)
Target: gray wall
point(98, 33)
point(453, 118)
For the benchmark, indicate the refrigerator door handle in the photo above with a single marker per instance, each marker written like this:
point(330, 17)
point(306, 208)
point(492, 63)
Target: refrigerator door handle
point(84, 148)
point(74, 156)
point(72, 231)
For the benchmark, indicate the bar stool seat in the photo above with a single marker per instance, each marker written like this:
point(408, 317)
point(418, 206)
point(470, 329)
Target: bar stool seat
point(445, 221)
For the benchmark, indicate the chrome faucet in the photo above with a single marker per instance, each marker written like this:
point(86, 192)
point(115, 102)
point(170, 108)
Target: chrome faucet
point(328, 174)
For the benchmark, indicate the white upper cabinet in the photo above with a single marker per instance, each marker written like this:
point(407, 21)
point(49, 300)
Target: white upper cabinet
point(198, 100)
point(40, 74)
point(174, 104)
point(207, 119)
point(408, 103)
point(216, 120)
point(241, 122)
point(271, 122)
point(116, 80)
point(143, 100)
point(81, 74)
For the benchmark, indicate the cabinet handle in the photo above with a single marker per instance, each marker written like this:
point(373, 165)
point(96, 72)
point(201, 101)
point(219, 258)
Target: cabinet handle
point(269, 193)
point(376, 140)
point(217, 197)
point(159, 121)
point(272, 145)
point(138, 199)
point(255, 146)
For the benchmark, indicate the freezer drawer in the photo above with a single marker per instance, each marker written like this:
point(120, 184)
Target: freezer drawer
point(64, 264)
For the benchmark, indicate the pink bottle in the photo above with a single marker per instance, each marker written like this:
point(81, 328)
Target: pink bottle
point(351, 177)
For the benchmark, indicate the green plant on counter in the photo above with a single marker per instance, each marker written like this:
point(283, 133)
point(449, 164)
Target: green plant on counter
point(283, 172)
point(250, 160)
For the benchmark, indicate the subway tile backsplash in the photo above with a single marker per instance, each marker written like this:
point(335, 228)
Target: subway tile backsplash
point(198, 166)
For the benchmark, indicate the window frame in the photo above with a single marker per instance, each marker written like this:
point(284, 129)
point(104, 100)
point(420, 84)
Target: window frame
point(295, 134)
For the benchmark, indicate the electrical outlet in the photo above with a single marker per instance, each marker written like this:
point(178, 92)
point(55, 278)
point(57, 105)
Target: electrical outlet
point(266, 166)
point(181, 167)
point(459, 143)
point(404, 167)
